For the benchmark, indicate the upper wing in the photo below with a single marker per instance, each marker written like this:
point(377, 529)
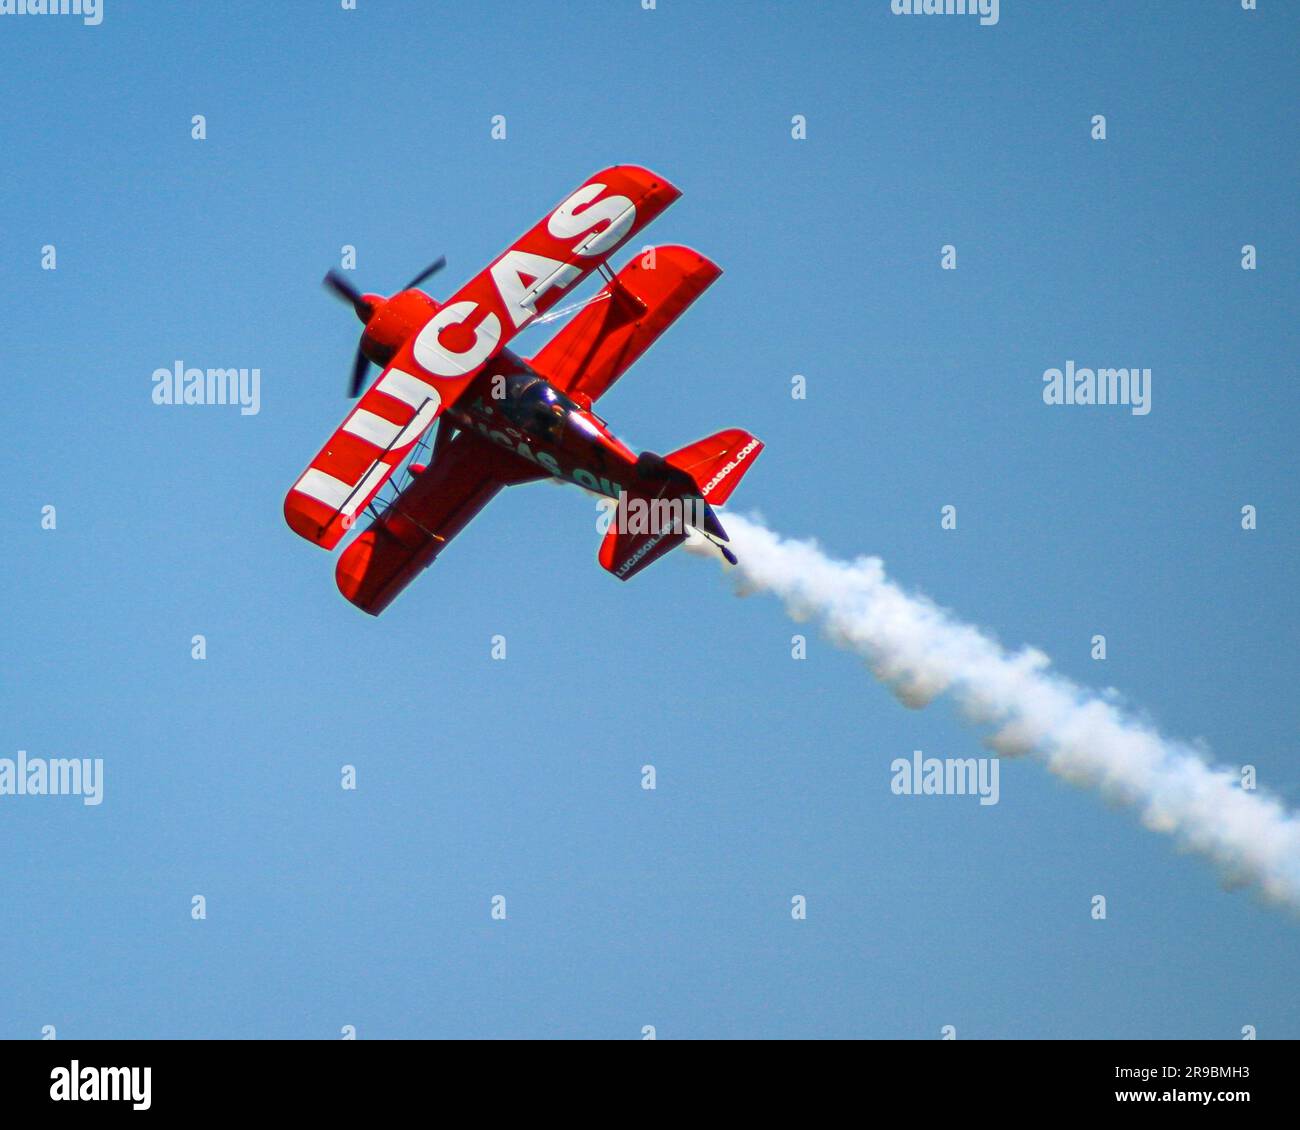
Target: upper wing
point(437, 364)
point(601, 343)
point(462, 479)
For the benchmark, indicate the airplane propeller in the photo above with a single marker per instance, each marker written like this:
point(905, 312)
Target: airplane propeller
point(340, 286)
point(349, 293)
point(432, 269)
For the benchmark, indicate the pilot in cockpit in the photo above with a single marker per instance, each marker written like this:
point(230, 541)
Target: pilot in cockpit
point(535, 406)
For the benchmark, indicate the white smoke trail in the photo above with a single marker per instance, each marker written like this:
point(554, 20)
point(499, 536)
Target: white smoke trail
point(920, 651)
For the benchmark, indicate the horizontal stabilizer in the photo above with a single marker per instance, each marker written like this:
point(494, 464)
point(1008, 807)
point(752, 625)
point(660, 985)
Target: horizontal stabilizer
point(626, 554)
point(677, 493)
point(718, 462)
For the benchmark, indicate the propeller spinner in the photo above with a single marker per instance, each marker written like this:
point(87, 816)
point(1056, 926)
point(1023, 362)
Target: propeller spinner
point(365, 305)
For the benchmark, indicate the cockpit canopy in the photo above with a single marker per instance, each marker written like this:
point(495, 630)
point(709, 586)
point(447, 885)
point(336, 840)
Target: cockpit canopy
point(535, 406)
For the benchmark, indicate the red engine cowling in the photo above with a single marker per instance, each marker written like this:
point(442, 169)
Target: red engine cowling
point(393, 320)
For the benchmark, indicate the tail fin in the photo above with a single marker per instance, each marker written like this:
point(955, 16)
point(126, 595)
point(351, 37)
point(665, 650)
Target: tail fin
point(676, 491)
point(718, 463)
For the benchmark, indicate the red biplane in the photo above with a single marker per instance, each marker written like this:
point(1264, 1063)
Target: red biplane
point(502, 419)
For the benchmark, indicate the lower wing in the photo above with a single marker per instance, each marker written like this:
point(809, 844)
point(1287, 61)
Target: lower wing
point(464, 477)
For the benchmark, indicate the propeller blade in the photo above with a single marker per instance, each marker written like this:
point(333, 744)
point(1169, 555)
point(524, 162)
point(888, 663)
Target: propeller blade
point(359, 367)
point(339, 285)
point(349, 293)
point(432, 269)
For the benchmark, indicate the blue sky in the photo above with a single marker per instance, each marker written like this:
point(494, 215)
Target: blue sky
point(522, 777)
